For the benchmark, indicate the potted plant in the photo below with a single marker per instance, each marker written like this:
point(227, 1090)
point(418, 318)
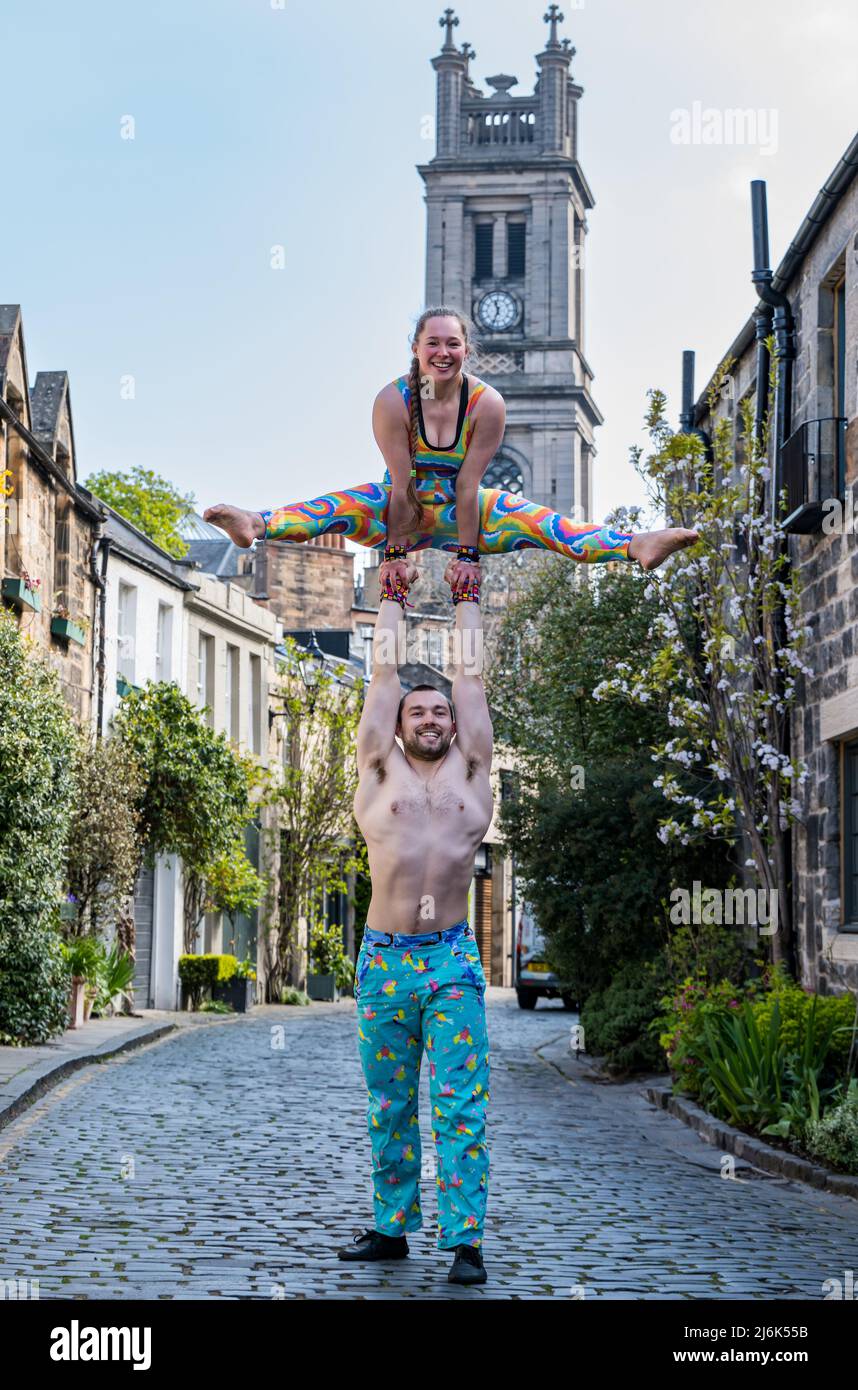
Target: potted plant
point(326, 955)
point(63, 625)
point(240, 989)
point(23, 591)
point(83, 955)
point(117, 974)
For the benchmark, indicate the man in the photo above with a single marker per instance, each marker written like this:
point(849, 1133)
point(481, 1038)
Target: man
point(423, 810)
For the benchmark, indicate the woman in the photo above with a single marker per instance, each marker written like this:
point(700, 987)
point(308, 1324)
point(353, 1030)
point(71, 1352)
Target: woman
point(432, 493)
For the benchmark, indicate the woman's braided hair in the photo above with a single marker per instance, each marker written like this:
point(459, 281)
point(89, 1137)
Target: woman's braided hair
point(442, 311)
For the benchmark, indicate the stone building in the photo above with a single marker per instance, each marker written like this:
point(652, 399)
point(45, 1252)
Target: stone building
point(48, 525)
point(506, 206)
point(813, 294)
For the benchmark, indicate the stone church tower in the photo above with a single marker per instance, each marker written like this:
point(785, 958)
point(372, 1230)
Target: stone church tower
point(506, 208)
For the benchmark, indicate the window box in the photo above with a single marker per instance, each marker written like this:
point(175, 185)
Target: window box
point(68, 629)
point(16, 592)
point(812, 471)
point(123, 687)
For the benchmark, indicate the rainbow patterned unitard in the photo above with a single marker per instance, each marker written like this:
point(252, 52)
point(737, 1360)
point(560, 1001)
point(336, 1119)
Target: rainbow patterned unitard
point(507, 520)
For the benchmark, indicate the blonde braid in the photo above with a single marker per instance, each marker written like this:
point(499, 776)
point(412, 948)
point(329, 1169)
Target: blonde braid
point(414, 386)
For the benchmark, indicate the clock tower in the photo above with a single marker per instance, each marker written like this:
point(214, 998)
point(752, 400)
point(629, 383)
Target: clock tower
point(506, 219)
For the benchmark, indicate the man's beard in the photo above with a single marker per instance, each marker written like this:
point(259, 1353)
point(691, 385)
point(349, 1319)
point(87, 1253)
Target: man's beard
point(430, 749)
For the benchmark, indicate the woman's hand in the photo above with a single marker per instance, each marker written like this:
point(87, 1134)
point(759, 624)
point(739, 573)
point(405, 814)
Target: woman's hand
point(401, 573)
point(459, 574)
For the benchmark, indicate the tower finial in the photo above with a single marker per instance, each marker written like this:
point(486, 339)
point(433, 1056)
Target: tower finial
point(554, 17)
point(467, 53)
point(449, 19)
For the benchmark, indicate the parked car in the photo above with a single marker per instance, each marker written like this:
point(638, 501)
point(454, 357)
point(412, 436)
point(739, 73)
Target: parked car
point(534, 978)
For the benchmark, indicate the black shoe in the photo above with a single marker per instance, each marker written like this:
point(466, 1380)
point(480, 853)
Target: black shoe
point(467, 1267)
point(372, 1245)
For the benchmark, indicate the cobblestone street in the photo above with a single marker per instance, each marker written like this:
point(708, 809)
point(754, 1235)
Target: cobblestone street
point(210, 1164)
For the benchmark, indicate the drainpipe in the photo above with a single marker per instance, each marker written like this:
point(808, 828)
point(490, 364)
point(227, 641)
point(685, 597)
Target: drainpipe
point(686, 415)
point(100, 544)
point(784, 330)
point(775, 309)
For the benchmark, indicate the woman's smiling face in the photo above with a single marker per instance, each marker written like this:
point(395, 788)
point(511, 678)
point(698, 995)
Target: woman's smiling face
point(441, 348)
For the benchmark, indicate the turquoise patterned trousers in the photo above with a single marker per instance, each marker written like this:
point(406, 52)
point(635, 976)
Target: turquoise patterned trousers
point(415, 992)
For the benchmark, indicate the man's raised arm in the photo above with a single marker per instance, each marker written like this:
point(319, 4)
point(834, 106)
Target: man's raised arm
point(474, 733)
point(378, 719)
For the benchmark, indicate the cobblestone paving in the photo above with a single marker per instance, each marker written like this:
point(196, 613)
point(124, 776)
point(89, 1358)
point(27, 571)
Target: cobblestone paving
point(213, 1165)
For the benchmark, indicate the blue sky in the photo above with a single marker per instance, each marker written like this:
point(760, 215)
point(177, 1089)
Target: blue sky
point(300, 125)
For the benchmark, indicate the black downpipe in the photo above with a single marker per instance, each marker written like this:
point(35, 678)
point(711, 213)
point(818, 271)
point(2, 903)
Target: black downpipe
point(783, 324)
point(686, 415)
point(100, 543)
point(784, 330)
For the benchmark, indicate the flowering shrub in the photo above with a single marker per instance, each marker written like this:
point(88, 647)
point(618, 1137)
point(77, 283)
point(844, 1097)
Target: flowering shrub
point(732, 637)
point(681, 1028)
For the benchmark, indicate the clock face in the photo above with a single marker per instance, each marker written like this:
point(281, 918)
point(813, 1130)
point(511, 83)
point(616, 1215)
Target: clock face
point(497, 311)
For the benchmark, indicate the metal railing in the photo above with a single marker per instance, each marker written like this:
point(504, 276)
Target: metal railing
point(506, 123)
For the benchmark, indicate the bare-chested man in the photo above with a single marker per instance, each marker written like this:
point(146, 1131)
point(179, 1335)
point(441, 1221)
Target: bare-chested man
point(423, 810)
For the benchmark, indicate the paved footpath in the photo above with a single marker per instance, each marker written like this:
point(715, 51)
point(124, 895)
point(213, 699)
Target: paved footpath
point(213, 1164)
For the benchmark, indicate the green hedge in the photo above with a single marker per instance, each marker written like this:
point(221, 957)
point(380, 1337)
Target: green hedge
point(201, 972)
point(37, 791)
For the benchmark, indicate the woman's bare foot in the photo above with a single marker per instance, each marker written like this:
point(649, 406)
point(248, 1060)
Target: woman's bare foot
point(242, 527)
point(651, 548)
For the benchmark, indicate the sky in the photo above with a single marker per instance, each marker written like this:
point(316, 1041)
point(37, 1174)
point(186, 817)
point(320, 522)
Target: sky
point(214, 223)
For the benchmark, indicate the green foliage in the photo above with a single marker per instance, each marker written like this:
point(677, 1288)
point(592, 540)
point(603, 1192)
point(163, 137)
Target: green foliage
point(115, 974)
point(584, 823)
point(231, 883)
point(682, 1023)
point(290, 995)
point(750, 1077)
point(595, 871)
point(84, 956)
point(149, 502)
point(616, 1019)
point(215, 1006)
point(833, 1138)
point(719, 656)
point(833, 1014)
point(326, 949)
point(104, 846)
point(320, 843)
point(245, 970)
point(37, 794)
point(196, 790)
point(201, 972)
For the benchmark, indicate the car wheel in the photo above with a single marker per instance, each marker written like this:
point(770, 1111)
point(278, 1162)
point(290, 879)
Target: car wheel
point(568, 1001)
point(527, 998)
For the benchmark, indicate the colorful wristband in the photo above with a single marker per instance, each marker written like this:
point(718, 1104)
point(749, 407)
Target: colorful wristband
point(395, 552)
point(266, 517)
point(387, 591)
point(468, 552)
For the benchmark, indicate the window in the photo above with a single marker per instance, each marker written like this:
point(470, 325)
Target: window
point(164, 648)
point(515, 235)
point(840, 349)
point(254, 708)
point(126, 630)
point(504, 473)
point(62, 549)
point(205, 675)
point(849, 834)
point(483, 250)
point(231, 713)
point(366, 633)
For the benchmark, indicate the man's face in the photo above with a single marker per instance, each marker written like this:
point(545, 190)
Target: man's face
point(426, 726)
